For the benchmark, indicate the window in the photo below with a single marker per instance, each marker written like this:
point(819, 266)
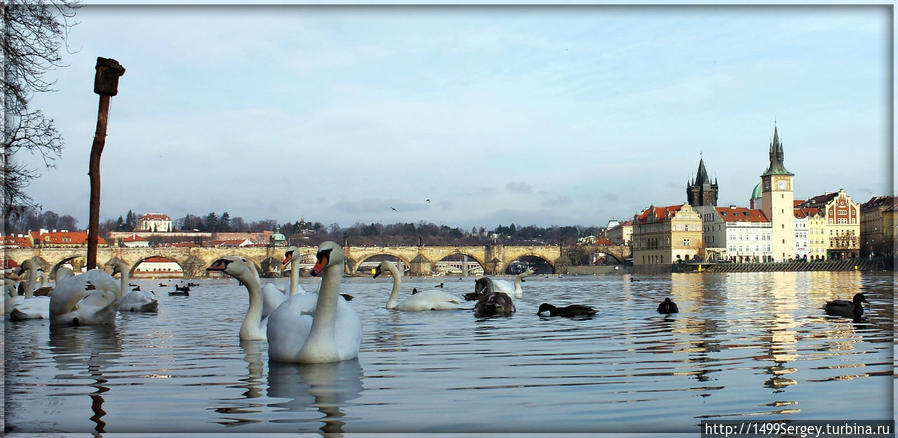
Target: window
point(685, 242)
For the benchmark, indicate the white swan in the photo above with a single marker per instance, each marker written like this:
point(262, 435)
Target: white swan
point(273, 295)
point(316, 328)
point(419, 302)
point(506, 286)
point(253, 327)
point(133, 300)
point(31, 307)
point(86, 299)
point(10, 285)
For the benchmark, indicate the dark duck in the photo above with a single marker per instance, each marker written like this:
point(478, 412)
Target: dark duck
point(568, 311)
point(667, 307)
point(849, 309)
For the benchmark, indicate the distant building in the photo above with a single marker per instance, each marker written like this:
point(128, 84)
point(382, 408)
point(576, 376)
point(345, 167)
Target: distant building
point(158, 267)
point(62, 239)
point(665, 235)
point(622, 233)
point(737, 234)
point(777, 194)
point(842, 223)
point(135, 241)
point(17, 241)
point(810, 230)
point(154, 222)
point(701, 191)
point(873, 228)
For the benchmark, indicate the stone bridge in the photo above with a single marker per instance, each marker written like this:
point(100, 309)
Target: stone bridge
point(421, 259)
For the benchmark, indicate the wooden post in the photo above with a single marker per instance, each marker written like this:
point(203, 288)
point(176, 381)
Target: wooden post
point(106, 85)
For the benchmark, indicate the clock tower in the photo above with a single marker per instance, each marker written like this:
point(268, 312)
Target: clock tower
point(777, 197)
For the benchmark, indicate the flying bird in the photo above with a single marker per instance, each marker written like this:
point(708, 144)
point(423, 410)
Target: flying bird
point(394, 208)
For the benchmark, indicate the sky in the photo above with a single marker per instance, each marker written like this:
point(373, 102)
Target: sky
point(466, 116)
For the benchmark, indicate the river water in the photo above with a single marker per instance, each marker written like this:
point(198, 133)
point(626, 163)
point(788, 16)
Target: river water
point(744, 345)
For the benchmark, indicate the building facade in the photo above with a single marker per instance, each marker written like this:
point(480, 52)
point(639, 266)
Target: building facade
point(622, 233)
point(777, 196)
point(154, 222)
point(665, 235)
point(873, 240)
point(842, 218)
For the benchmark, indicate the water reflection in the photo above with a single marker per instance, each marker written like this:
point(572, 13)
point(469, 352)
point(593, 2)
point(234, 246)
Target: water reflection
point(90, 348)
point(326, 386)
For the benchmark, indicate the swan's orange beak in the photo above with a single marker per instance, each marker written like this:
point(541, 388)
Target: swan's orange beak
point(322, 263)
point(288, 257)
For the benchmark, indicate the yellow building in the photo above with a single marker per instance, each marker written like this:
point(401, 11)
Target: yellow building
point(665, 235)
point(777, 196)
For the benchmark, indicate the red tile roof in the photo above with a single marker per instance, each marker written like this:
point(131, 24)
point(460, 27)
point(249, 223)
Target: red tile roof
point(64, 238)
point(134, 238)
point(741, 214)
point(805, 212)
point(16, 241)
point(660, 212)
point(604, 241)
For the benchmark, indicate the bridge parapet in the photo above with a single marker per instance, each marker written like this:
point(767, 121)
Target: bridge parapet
point(494, 258)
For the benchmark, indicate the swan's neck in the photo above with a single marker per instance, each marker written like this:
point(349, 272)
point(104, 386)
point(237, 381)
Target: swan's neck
point(250, 328)
point(125, 279)
point(321, 343)
point(517, 283)
point(294, 276)
point(29, 286)
point(394, 294)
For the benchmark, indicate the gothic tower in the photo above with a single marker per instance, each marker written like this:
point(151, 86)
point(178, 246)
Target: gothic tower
point(701, 191)
point(776, 202)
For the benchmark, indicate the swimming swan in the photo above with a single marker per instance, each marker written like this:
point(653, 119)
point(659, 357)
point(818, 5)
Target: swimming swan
point(86, 299)
point(254, 325)
point(418, 302)
point(134, 300)
point(506, 286)
point(30, 307)
point(316, 328)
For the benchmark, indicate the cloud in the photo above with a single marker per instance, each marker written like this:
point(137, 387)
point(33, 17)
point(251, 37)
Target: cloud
point(519, 187)
point(558, 201)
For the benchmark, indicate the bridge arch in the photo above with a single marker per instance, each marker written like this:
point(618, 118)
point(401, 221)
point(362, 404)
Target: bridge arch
point(540, 264)
point(454, 255)
point(357, 265)
point(141, 260)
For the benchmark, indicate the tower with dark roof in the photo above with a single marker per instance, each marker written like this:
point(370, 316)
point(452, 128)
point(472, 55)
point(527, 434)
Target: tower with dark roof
point(777, 197)
point(701, 191)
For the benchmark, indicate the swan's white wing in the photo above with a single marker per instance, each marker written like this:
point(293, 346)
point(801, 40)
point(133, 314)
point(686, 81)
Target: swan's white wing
point(348, 330)
point(272, 298)
point(429, 300)
point(72, 299)
point(11, 302)
point(289, 326)
point(139, 301)
point(500, 285)
point(32, 308)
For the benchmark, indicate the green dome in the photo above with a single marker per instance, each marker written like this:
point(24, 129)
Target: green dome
point(756, 193)
point(277, 237)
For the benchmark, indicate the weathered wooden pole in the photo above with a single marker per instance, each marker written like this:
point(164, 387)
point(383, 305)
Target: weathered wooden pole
point(106, 85)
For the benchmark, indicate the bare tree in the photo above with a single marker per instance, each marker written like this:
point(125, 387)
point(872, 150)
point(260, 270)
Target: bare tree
point(33, 32)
